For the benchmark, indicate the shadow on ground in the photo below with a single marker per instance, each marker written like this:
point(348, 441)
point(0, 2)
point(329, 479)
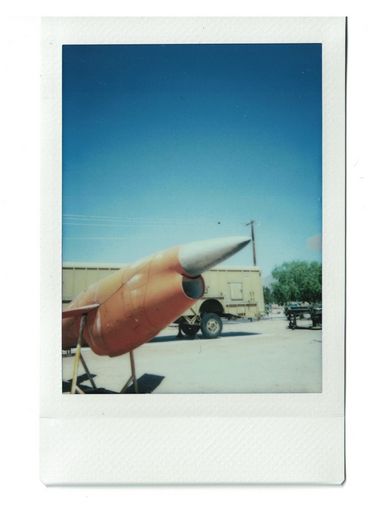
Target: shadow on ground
point(147, 383)
point(304, 328)
point(164, 339)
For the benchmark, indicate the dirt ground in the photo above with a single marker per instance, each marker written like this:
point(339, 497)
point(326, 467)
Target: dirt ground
point(250, 357)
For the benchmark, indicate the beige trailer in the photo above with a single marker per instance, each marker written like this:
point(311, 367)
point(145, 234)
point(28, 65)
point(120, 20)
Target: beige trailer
point(230, 292)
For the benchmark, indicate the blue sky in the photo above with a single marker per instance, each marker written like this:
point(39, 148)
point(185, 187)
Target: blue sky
point(166, 144)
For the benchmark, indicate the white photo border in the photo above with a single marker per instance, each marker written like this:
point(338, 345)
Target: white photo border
point(195, 439)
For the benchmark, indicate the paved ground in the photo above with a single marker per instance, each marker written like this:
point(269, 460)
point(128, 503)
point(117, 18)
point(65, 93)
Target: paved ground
point(249, 357)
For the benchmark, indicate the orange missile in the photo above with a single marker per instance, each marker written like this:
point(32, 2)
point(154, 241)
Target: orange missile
point(131, 306)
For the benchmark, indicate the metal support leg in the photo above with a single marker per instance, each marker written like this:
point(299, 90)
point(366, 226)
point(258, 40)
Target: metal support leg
point(85, 367)
point(78, 357)
point(126, 385)
point(78, 353)
point(133, 377)
point(132, 365)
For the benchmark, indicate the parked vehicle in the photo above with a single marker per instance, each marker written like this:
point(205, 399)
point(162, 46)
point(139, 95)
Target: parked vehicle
point(298, 311)
point(230, 293)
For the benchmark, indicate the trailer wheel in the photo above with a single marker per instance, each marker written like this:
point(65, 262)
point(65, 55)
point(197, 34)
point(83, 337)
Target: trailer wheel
point(189, 330)
point(211, 325)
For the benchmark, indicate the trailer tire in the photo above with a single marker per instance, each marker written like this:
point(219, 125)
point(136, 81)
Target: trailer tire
point(211, 325)
point(189, 330)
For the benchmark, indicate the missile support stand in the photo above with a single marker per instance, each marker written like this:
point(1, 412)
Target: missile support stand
point(79, 358)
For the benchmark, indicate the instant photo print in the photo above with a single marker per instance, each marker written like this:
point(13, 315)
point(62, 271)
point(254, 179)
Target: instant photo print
point(193, 251)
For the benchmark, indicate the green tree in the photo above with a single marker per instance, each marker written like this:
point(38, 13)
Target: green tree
point(267, 295)
point(297, 281)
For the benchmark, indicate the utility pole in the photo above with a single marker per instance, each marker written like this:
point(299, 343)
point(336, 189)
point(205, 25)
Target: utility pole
point(251, 223)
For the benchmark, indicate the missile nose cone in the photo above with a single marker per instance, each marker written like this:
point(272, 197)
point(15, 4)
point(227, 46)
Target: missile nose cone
point(197, 257)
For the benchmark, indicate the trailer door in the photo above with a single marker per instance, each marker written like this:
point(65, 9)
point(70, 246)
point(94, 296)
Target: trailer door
point(236, 291)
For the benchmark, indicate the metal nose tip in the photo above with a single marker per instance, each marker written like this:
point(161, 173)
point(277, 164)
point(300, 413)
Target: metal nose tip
point(197, 257)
